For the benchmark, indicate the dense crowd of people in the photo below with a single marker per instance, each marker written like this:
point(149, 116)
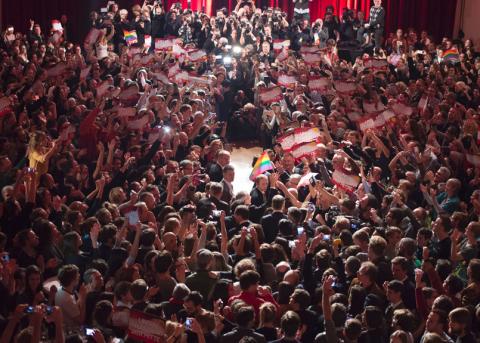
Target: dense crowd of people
point(117, 197)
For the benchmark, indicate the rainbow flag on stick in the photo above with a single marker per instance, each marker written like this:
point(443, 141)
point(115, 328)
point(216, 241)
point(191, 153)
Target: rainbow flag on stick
point(262, 165)
point(451, 55)
point(130, 37)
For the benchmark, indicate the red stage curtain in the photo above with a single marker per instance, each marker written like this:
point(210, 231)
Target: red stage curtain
point(317, 8)
point(437, 17)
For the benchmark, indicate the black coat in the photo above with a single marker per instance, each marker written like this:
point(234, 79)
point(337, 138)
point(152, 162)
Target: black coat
point(270, 225)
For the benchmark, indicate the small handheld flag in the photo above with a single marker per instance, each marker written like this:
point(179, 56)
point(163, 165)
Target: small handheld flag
point(451, 55)
point(130, 37)
point(262, 165)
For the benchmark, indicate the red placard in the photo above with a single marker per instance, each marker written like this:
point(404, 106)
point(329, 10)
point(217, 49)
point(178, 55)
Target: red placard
point(270, 95)
point(146, 328)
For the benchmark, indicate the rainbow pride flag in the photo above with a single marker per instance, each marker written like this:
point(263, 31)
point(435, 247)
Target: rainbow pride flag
point(451, 55)
point(262, 165)
point(130, 37)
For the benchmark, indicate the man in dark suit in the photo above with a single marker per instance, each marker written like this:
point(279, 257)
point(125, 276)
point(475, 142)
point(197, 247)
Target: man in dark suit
point(240, 219)
point(290, 324)
point(400, 272)
point(245, 318)
point(215, 171)
point(394, 290)
point(207, 205)
point(262, 195)
point(228, 177)
point(270, 221)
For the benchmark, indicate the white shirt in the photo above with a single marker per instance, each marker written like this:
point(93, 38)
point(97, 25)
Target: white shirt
point(70, 308)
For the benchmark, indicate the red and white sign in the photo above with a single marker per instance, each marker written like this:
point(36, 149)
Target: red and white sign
point(345, 87)
point(200, 80)
point(345, 181)
point(318, 83)
point(287, 81)
point(309, 49)
point(304, 150)
point(197, 55)
point(161, 77)
point(148, 42)
point(138, 124)
point(370, 107)
point(270, 95)
point(181, 77)
point(402, 109)
point(305, 180)
point(177, 50)
point(297, 137)
point(163, 44)
point(146, 328)
point(312, 58)
point(57, 25)
point(376, 120)
point(376, 64)
point(173, 70)
point(128, 94)
point(280, 44)
point(124, 112)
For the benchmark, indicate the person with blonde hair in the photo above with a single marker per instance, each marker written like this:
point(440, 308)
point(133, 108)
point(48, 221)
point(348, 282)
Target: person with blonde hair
point(266, 325)
point(40, 150)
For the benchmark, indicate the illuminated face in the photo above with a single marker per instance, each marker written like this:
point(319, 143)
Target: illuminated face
point(262, 184)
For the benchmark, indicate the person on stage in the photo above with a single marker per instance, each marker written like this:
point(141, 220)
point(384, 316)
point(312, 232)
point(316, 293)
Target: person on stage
point(376, 24)
point(301, 10)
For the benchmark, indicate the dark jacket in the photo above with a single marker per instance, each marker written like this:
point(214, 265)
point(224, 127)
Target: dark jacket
point(270, 225)
point(236, 335)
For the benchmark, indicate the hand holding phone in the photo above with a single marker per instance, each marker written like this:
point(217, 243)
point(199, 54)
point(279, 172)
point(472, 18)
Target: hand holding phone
point(188, 323)
point(133, 218)
point(300, 230)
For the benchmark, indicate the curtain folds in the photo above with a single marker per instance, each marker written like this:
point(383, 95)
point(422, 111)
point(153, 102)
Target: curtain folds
point(437, 17)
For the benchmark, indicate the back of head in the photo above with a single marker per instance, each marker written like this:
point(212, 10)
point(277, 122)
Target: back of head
point(290, 323)
point(244, 316)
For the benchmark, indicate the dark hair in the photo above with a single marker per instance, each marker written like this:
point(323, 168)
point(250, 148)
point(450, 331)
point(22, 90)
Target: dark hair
point(290, 323)
point(67, 274)
point(396, 286)
point(163, 262)
point(474, 266)
point(302, 298)
point(353, 329)
point(462, 316)
point(101, 313)
point(147, 237)
point(285, 290)
point(244, 316)
point(404, 319)
point(357, 300)
point(373, 317)
point(248, 278)
point(138, 289)
point(242, 211)
point(454, 284)
point(195, 297)
point(121, 289)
